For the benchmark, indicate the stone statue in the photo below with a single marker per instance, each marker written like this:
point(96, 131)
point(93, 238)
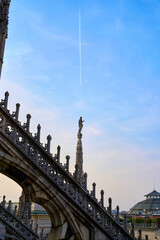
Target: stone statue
point(80, 124)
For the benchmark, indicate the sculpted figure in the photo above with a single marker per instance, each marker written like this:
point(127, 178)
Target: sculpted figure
point(80, 123)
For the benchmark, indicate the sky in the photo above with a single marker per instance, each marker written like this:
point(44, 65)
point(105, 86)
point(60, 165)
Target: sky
point(97, 59)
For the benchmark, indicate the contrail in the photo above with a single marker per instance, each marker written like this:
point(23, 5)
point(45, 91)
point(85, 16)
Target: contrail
point(80, 60)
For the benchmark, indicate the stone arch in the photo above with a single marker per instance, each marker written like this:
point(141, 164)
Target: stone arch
point(16, 167)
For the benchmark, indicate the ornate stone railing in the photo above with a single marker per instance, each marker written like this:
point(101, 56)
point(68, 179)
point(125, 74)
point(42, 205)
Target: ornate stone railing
point(40, 156)
point(9, 219)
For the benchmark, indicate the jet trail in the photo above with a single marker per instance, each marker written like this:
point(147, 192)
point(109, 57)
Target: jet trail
point(80, 59)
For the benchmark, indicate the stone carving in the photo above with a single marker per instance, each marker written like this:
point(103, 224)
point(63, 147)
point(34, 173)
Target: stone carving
point(24, 208)
point(9, 218)
point(2, 231)
point(41, 159)
point(80, 124)
point(79, 175)
point(4, 11)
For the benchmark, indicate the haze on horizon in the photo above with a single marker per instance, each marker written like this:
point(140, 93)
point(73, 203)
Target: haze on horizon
point(119, 94)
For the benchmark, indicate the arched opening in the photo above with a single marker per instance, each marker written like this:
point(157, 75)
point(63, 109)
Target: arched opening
point(40, 220)
point(33, 215)
point(39, 189)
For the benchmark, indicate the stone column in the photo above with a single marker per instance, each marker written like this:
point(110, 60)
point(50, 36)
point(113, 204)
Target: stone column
point(4, 11)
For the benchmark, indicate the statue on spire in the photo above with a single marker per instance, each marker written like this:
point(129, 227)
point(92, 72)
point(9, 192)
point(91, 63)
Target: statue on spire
point(80, 124)
point(79, 175)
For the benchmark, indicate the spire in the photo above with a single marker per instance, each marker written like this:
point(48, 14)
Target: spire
point(4, 11)
point(79, 154)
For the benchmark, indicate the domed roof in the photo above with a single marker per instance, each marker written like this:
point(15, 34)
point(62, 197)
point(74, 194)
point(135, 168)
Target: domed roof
point(150, 205)
point(153, 194)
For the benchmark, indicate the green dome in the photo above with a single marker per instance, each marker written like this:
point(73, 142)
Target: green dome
point(149, 206)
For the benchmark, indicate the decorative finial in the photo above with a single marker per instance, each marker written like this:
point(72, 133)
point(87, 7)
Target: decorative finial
point(117, 216)
point(9, 206)
point(15, 114)
point(58, 153)
point(49, 138)
point(93, 192)
point(110, 206)
point(27, 124)
point(5, 102)
point(154, 188)
point(15, 210)
point(38, 133)
point(4, 201)
point(17, 111)
point(67, 163)
point(102, 199)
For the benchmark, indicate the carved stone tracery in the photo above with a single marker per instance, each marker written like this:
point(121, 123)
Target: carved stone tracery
point(22, 231)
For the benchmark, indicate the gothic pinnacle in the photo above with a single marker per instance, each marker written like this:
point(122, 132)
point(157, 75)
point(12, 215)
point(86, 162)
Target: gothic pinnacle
point(4, 10)
point(79, 154)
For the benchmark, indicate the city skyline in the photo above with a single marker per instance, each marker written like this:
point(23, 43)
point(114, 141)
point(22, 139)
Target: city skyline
point(119, 92)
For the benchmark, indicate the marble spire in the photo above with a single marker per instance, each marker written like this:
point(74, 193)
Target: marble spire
point(79, 153)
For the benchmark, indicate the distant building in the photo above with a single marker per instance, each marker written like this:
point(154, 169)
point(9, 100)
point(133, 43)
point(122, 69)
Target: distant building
point(145, 216)
point(150, 206)
point(40, 219)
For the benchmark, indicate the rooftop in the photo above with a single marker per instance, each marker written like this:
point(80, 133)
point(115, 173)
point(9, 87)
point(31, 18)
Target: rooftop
point(153, 194)
point(148, 206)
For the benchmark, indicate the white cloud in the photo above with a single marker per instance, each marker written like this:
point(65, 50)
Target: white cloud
point(19, 51)
point(80, 104)
point(120, 167)
point(93, 131)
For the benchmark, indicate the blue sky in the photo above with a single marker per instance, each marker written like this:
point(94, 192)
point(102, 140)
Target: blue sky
point(119, 95)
